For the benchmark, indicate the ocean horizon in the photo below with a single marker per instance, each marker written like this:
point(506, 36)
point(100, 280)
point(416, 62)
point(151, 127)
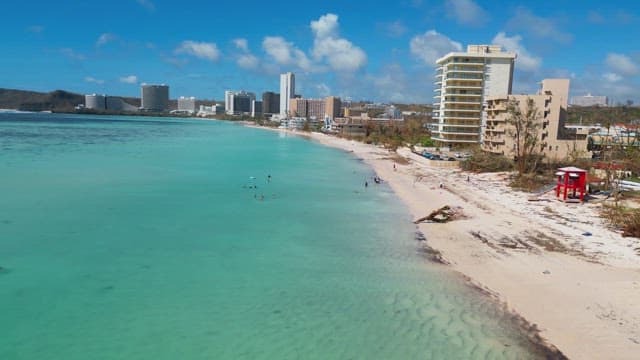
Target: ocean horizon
point(163, 238)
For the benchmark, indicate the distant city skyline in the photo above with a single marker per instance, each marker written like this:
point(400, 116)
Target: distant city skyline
point(347, 49)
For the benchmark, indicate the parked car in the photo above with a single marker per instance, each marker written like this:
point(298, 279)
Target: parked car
point(451, 159)
point(436, 157)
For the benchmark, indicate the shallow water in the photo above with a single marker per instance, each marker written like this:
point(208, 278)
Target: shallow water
point(143, 238)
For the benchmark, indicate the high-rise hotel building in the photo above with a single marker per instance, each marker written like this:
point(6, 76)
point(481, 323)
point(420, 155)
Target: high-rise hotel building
point(155, 97)
point(287, 92)
point(463, 81)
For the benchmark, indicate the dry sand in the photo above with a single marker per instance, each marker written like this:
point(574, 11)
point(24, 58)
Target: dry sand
point(581, 292)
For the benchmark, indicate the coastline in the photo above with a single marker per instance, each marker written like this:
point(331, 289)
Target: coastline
point(572, 295)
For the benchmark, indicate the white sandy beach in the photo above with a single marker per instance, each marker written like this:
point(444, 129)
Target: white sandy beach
point(582, 293)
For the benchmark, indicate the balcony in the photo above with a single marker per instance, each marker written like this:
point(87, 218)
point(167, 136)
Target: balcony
point(463, 124)
point(499, 130)
point(495, 120)
point(458, 131)
point(465, 95)
point(457, 76)
point(477, 62)
point(461, 86)
point(462, 69)
point(494, 141)
point(461, 110)
point(497, 107)
point(463, 117)
point(463, 102)
point(456, 140)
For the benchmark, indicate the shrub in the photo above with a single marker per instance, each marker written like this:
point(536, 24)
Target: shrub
point(625, 219)
point(530, 182)
point(481, 161)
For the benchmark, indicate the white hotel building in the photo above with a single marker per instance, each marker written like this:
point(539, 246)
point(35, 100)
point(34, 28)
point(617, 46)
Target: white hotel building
point(287, 92)
point(462, 82)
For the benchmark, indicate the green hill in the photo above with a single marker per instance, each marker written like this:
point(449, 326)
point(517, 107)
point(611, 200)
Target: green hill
point(58, 100)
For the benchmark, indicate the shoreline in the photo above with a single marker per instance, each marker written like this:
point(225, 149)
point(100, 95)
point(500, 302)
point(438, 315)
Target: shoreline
point(571, 295)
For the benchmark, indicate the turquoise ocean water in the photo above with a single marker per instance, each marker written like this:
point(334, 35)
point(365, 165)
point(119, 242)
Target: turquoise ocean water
point(143, 238)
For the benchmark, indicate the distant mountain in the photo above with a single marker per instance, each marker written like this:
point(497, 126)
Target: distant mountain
point(58, 100)
point(62, 101)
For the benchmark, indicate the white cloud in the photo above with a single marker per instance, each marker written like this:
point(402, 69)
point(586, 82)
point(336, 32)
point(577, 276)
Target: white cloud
point(248, 61)
point(285, 53)
point(241, 44)
point(341, 54)
point(466, 12)
point(105, 39)
point(394, 29)
point(329, 52)
point(93, 80)
point(147, 4)
point(72, 54)
point(537, 26)
point(432, 45)
point(525, 61)
point(131, 79)
point(622, 64)
point(202, 50)
point(326, 26)
point(612, 77)
point(323, 89)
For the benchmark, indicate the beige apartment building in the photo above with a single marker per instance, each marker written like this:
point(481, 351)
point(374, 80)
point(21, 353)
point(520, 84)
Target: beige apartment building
point(315, 108)
point(307, 108)
point(462, 82)
point(333, 107)
point(555, 140)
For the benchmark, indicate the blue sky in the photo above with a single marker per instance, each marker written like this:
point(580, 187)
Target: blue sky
point(381, 51)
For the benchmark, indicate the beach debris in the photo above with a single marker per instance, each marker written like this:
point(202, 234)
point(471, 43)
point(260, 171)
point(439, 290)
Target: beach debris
point(443, 215)
point(546, 272)
point(587, 233)
point(432, 254)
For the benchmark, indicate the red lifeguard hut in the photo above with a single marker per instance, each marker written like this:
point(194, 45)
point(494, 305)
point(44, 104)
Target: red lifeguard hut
point(571, 181)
